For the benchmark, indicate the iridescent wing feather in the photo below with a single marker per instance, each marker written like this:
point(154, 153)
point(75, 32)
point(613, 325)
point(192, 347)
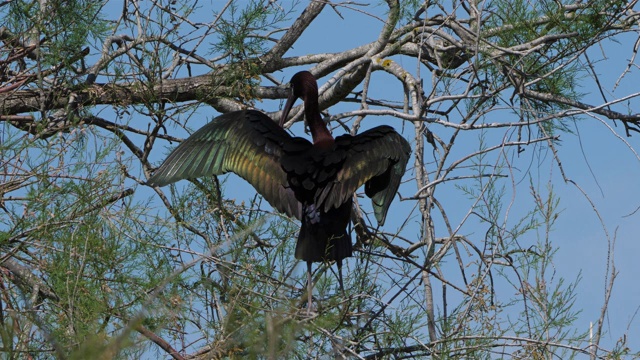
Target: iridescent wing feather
point(376, 158)
point(247, 143)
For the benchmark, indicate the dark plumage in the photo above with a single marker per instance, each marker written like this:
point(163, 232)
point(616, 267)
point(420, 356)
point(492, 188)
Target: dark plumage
point(314, 183)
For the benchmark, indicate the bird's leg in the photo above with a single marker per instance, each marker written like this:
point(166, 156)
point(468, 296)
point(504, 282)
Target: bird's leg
point(339, 263)
point(309, 287)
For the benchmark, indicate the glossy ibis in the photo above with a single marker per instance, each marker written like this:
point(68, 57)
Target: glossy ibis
point(314, 183)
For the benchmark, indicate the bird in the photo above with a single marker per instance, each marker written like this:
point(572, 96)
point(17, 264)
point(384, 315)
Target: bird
point(313, 182)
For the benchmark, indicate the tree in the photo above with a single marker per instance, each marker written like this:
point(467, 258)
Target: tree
point(96, 263)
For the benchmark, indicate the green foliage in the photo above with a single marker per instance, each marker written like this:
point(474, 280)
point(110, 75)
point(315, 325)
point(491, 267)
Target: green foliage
point(547, 67)
point(237, 30)
point(240, 43)
point(60, 31)
point(97, 250)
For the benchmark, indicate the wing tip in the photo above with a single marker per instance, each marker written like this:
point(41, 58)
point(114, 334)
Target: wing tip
point(159, 180)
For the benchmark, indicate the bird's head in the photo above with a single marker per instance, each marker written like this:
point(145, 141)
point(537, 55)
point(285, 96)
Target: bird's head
point(303, 85)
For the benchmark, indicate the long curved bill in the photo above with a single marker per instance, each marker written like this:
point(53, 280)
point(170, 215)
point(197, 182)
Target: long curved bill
point(287, 107)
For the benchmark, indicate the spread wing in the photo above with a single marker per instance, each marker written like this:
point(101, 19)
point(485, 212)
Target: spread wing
point(376, 158)
point(247, 143)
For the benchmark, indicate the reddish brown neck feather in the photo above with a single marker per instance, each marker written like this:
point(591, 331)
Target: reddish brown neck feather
point(319, 132)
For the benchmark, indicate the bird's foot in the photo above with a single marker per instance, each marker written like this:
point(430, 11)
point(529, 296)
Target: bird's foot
point(309, 312)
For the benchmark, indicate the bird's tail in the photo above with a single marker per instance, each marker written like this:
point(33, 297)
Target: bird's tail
point(323, 236)
point(316, 245)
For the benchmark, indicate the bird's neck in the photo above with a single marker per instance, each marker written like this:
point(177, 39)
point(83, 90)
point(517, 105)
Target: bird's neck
point(319, 132)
